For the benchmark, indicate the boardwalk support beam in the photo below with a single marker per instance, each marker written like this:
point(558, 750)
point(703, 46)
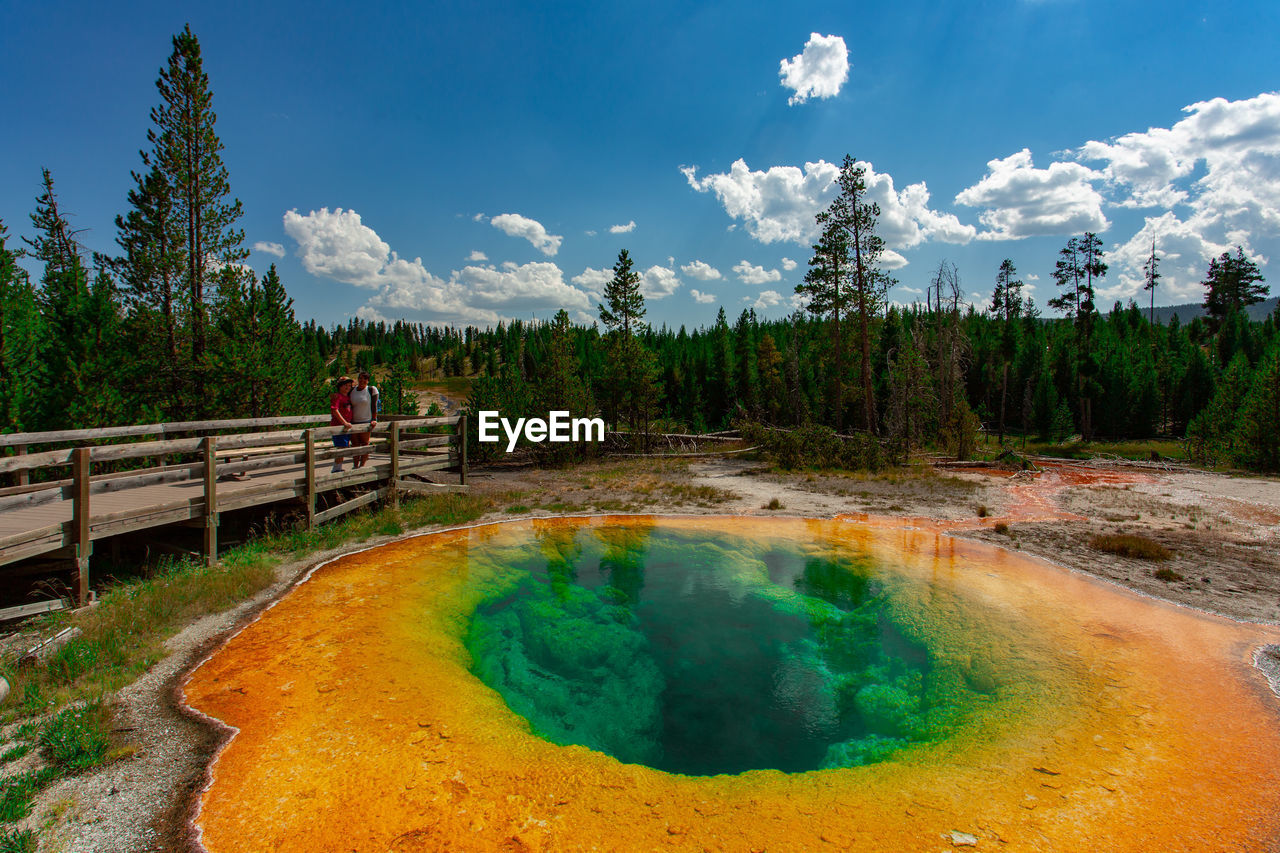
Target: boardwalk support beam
point(311, 479)
point(462, 450)
point(210, 500)
point(80, 473)
point(393, 493)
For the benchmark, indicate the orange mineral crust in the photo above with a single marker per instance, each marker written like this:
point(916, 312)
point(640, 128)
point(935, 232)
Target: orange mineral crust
point(1105, 721)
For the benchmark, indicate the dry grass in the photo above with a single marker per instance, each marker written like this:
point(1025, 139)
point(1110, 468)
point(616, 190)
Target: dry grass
point(1130, 545)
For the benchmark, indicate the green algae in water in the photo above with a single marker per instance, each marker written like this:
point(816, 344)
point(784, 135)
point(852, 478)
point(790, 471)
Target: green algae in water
point(702, 653)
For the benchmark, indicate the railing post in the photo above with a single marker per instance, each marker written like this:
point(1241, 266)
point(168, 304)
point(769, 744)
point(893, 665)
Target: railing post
point(394, 486)
point(462, 449)
point(80, 473)
point(23, 475)
point(311, 478)
point(210, 500)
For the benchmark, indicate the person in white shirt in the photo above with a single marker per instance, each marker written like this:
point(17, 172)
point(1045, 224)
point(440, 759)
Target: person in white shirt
point(364, 410)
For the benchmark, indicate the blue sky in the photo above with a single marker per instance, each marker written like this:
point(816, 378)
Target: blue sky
point(460, 162)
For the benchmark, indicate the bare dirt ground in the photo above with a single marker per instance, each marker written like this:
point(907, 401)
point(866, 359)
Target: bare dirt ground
point(1223, 531)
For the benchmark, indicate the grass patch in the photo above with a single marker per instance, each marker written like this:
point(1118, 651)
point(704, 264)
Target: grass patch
point(1130, 545)
point(1001, 528)
point(686, 493)
point(773, 503)
point(982, 511)
point(17, 841)
point(77, 738)
point(516, 509)
point(17, 792)
point(1167, 575)
point(15, 753)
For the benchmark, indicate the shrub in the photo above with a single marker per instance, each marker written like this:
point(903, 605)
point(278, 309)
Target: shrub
point(815, 446)
point(773, 503)
point(1130, 545)
point(1167, 575)
point(1001, 528)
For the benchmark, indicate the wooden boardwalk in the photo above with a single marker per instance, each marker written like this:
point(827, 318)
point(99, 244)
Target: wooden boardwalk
point(64, 517)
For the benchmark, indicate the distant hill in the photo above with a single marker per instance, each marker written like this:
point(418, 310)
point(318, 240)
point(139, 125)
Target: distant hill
point(1187, 313)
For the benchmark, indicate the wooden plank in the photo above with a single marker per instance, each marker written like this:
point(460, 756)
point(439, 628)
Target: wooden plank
point(348, 506)
point(28, 535)
point(428, 465)
point(280, 494)
point(33, 498)
point(168, 474)
point(81, 471)
point(33, 549)
point(432, 441)
point(260, 464)
point(24, 461)
point(330, 482)
point(34, 609)
point(21, 450)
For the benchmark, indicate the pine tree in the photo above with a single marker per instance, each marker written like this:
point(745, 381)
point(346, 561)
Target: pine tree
point(631, 374)
point(1006, 304)
point(1151, 277)
point(187, 155)
point(854, 218)
point(624, 303)
point(1232, 283)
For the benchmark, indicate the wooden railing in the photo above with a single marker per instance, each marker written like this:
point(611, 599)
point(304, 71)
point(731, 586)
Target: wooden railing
point(194, 460)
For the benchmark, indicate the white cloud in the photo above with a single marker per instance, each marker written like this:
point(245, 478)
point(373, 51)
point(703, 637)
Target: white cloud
point(817, 72)
point(768, 299)
point(479, 217)
point(914, 291)
point(521, 287)
point(788, 264)
point(593, 281)
point(702, 298)
point(477, 256)
point(751, 274)
point(1023, 201)
point(338, 246)
point(269, 248)
point(658, 282)
point(700, 270)
point(516, 225)
point(623, 229)
point(780, 203)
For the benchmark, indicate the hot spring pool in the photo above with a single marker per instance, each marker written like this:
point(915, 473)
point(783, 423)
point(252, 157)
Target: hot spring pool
point(706, 683)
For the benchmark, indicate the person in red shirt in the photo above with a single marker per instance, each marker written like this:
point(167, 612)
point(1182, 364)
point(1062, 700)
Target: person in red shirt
point(340, 415)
